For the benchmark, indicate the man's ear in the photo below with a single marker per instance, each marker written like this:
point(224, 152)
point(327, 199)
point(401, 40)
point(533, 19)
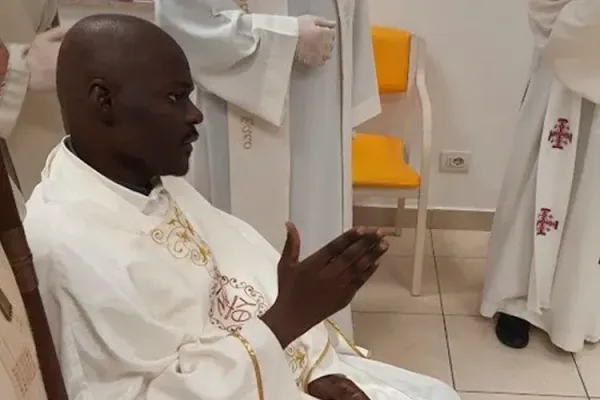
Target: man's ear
point(102, 98)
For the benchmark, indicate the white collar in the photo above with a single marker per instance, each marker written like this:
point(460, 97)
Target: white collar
point(63, 163)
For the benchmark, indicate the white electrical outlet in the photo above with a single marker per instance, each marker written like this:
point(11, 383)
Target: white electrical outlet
point(455, 161)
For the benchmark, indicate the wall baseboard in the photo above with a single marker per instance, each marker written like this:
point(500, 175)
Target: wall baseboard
point(471, 220)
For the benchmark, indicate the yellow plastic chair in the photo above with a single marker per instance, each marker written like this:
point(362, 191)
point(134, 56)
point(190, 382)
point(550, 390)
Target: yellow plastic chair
point(379, 162)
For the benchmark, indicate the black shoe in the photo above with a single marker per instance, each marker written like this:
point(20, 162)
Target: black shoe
point(512, 331)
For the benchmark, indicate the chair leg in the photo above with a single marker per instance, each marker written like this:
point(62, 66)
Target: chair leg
point(399, 216)
point(420, 238)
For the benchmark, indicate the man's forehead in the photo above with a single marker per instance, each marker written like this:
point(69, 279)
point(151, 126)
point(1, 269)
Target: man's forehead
point(163, 68)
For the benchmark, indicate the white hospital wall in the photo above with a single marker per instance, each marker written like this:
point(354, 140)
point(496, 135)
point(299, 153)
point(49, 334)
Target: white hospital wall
point(479, 53)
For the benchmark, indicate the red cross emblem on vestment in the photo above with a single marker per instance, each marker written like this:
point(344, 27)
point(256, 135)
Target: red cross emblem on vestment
point(545, 222)
point(561, 135)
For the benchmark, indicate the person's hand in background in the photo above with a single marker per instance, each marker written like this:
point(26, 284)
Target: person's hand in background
point(41, 59)
point(316, 39)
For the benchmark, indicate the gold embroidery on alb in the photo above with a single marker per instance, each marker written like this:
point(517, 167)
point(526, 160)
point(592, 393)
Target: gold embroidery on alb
point(233, 302)
point(296, 355)
point(255, 363)
point(308, 374)
point(247, 125)
point(181, 240)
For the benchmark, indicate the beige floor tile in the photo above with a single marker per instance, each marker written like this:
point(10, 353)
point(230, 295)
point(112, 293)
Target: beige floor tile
point(388, 290)
point(413, 342)
point(489, 396)
point(467, 220)
point(589, 365)
point(471, 244)
point(482, 364)
point(461, 282)
point(405, 244)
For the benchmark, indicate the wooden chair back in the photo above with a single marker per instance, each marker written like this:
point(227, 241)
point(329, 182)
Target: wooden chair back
point(16, 249)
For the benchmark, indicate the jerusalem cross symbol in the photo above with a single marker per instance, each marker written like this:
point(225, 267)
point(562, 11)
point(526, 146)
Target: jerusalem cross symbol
point(561, 135)
point(545, 222)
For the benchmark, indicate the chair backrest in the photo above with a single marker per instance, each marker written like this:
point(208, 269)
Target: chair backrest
point(392, 54)
point(23, 370)
point(400, 63)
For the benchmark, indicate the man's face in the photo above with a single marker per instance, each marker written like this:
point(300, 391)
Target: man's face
point(156, 118)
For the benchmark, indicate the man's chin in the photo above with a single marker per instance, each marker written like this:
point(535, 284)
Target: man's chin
point(179, 171)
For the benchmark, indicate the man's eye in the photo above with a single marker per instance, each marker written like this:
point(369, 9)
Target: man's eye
point(174, 98)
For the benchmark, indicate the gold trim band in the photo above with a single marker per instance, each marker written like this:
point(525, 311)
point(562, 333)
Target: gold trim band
point(315, 365)
point(345, 338)
point(255, 364)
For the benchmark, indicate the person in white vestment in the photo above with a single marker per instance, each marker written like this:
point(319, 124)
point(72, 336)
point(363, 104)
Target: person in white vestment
point(24, 76)
point(152, 292)
point(287, 80)
point(30, 124)
point(544, 257)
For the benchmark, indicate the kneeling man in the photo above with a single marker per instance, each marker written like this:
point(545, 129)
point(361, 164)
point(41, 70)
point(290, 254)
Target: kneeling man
point(152, 292)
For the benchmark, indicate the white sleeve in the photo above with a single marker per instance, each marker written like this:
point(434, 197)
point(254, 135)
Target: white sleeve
point(365, 92)
point(245, 59)
point(574, 48)
point(542, 15)
point(328, 362)
point(13, 90)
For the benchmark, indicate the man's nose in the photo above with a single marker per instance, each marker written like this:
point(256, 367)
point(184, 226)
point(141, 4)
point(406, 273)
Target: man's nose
point(194, 115)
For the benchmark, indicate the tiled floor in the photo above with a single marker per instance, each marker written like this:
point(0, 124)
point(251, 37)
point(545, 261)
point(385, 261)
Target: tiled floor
point(441, 334)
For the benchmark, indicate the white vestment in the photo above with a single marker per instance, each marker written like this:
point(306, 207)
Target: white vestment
point(158, 297)
point(276, 142)
point(544, 256)
point(20, 376)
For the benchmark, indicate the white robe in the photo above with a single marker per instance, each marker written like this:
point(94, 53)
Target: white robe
point(544, 256)
point(157, 298)
point(33, 126)
point(276, 141)
point(20, 376)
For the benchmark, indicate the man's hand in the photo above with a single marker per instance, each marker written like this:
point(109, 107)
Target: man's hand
point(41, 59)
point(4, 56)
point(322, 284)
point(316, 39)
point(335, 387)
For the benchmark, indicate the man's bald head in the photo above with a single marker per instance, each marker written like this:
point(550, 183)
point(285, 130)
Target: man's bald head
point(114, 47)
point(123, 86)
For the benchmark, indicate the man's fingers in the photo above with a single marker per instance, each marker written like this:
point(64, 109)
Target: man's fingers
point(357, 273)
point(373, 263)
point(54, 34)
point(291, 249)
point(325, 23)
point(333, 249)
point(331, 34)
point(350, 258)
point(366, 275)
